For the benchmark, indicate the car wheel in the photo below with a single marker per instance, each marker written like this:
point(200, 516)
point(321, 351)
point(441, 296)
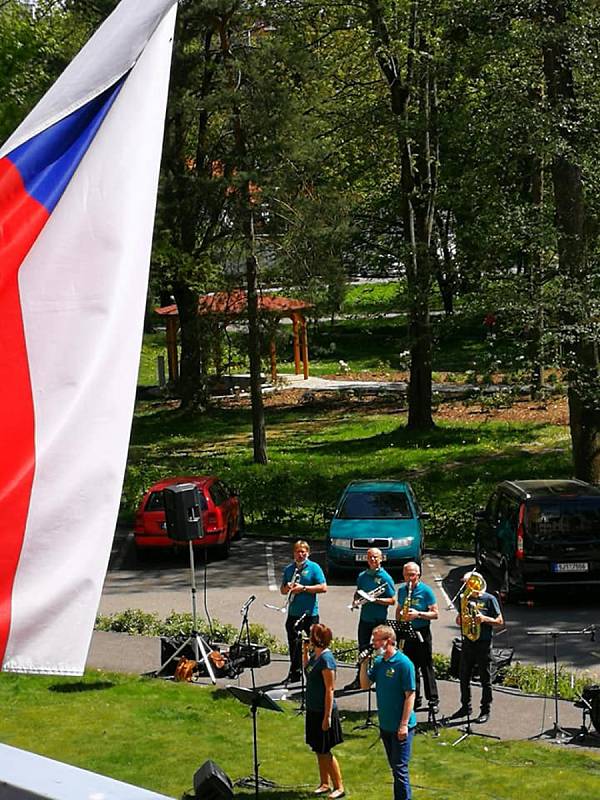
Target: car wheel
point(222, 551)
point(239, 534)
point(142, 554)
point(507, 591)
point(478, 559)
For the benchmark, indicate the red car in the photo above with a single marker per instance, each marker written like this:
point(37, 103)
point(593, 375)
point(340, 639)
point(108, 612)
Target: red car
point(221, 516)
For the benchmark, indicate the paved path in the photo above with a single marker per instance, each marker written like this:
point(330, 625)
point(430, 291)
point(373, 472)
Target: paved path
point(514, 716)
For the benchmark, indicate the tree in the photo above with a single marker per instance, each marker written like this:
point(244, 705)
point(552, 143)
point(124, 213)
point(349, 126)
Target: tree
point(412, 90)
point(574, 225)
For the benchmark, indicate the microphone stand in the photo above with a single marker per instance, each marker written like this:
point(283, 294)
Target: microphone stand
point(368, 723)
point(299, 641)
point(467, 729)
point(557, 734)
point(245, 629)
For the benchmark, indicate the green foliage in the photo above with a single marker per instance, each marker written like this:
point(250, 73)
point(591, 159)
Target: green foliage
point(316, 451)
point(535, 680)
point(134, 621)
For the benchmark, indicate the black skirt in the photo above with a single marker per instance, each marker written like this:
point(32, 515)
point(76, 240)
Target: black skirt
point(319, 740)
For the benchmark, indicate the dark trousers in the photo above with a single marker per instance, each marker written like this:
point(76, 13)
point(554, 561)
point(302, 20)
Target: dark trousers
point(476, 656)
point(398, 756)
point(365, 629)
point(293, 631)
point(421, 655)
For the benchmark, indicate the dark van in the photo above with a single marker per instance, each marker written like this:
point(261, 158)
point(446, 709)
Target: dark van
point(540, 533)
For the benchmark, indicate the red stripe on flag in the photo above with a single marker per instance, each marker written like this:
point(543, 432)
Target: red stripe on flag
point(21, 220)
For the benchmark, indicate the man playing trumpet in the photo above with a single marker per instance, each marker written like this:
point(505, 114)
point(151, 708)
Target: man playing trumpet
point(301, 582)
point(374, 595)
point(417, 606)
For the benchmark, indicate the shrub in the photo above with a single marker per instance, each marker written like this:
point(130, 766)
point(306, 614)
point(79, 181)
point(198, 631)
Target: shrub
point(135, 621)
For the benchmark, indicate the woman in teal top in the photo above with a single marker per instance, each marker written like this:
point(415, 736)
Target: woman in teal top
point(323, 728)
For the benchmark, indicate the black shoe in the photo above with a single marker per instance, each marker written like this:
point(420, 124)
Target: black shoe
point(355, 684)
point(483, 717)
point(433, 708)
point(418, 704)
point(460, 713)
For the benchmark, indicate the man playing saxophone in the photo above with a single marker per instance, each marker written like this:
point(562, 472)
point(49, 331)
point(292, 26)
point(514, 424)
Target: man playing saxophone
point(377, 584)
point(417, 606)
point(479, 613)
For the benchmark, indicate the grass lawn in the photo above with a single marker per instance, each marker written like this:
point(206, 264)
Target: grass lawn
point(314, 451)
point(156, 734)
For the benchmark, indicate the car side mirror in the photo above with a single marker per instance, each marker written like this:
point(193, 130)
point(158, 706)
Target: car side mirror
point(480, 513)
point(328, 514)
point(424, 515)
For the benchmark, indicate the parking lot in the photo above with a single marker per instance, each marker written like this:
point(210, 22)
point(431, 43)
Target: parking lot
point(162, 584)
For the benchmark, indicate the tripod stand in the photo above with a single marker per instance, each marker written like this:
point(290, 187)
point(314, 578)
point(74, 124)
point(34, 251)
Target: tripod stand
point(200, 646)
point(557, 734)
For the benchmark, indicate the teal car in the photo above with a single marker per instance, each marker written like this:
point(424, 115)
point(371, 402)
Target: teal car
point(383, 514)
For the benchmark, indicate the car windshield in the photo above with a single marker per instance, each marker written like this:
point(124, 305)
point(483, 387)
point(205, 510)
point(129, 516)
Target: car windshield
point(155, 502)
point(573, 520)
point(375, 505)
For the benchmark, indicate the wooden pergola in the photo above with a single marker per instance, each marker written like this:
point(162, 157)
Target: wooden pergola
point(228, 306)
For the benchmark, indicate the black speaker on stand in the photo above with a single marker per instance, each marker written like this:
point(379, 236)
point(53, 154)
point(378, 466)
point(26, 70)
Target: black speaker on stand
point(183, 517)
point(211, 783)
point(182, 512)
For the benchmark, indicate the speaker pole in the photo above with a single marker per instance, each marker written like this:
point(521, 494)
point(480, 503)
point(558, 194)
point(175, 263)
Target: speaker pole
point(183, 518)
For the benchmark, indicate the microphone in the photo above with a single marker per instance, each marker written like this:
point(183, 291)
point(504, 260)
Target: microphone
point(247, 604)
point(364, 654)
point(300, 620)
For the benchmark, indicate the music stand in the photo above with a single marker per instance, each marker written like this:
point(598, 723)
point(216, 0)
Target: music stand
point(557, 734)
point(255, 698)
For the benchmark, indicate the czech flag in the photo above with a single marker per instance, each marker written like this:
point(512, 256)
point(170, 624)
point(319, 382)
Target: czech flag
point(78, 183)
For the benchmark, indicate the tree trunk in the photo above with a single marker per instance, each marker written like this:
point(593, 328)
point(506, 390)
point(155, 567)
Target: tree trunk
point(259, 436)
point(571, 225)
point(245, 205)
point(191, 386)
point(413, 104)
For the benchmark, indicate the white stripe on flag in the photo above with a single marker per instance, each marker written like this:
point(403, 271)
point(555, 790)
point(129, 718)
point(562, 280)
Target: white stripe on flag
point(83, 291)
point(105, 58)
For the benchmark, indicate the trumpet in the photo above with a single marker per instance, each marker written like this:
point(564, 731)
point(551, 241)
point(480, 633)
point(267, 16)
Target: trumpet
point(285, 607)
point(361, 597)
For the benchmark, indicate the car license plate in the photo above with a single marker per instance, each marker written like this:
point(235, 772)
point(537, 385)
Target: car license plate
point(363, 557)
point(570, 566)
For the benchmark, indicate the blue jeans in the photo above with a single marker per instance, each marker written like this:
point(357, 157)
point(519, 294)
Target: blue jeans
point(398, 755)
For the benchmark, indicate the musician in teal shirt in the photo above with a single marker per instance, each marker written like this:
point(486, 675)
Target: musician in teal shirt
point(374, 579)
point(301, 582)
point(394, 677)
point(418, 613)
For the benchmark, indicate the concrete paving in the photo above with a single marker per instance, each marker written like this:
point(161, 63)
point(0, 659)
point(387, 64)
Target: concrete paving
point(514, 715)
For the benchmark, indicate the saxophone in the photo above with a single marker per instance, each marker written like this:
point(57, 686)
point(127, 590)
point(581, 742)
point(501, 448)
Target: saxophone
point(407, 600)
point(469, 609)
